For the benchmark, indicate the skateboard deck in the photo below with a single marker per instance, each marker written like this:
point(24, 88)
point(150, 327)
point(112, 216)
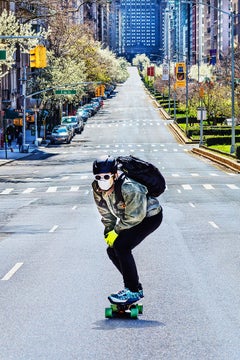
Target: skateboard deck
point(124, 310)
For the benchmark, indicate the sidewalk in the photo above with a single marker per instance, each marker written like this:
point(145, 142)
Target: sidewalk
point(12, 153)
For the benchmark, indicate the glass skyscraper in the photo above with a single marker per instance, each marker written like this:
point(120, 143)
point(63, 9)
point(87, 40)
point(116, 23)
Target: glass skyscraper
point(140, 27)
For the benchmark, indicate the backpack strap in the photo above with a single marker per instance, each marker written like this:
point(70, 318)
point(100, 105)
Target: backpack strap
point(117, 189)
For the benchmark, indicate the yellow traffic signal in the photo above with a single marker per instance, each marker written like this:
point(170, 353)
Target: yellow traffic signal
point(32, 58)
point(97, 91)
point(180, 74)
point(42, 56)
point(38, 57)
point(102, 90)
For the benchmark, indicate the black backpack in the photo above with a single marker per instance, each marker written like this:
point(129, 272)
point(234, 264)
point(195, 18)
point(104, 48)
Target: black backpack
point(141, 171)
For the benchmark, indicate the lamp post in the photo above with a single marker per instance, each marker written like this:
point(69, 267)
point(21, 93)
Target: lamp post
point(231, 14)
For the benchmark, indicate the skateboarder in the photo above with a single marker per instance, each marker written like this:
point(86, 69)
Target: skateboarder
point(126, 223)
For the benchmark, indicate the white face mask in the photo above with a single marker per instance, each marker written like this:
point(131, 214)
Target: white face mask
point(105, 184)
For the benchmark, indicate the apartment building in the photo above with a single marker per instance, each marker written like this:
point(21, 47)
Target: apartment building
point(76, 11)
point(202, 30)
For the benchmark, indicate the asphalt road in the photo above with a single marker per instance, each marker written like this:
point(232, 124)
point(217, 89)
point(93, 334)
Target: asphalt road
point(54, 272)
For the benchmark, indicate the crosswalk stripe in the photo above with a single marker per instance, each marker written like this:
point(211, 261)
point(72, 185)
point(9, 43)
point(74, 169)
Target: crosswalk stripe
point(208, 186)
point(186, 187)
point(52, 189)
point(28, 190)
point(232, 186)
point(7, 191)
point(74, 188)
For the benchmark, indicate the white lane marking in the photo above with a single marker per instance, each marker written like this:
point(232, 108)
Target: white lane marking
point(12, 271)
point(7, 191)
point(175, 175)
point(54, 228)
point(208, 186)
point(74, 188)
point(232, 186)
point(74, 207)
point(65, 178)
point(212, 223)
point(51, 189)
point(214, 174)
point(194, 174)
point(179, 191)
point(186, 187)
point(28, 190)
point(192, 205)
point(83, 177)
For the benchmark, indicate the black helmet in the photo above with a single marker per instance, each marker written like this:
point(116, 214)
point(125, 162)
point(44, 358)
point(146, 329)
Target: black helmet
point(105, 164)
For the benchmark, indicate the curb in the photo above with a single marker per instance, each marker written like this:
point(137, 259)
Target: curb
point(179, 134)
point(231, 164)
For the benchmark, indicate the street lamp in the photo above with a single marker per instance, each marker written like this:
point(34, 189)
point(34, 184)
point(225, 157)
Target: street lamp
point(232, 15)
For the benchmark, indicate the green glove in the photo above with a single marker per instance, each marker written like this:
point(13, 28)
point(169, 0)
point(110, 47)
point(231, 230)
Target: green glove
point(110, 237)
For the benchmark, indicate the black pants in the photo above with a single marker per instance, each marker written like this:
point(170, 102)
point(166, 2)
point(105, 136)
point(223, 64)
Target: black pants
point(121, 253)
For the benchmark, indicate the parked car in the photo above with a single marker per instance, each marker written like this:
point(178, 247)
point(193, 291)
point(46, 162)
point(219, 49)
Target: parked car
point(99, 100)
point(91, 108)
point(84, 114)
point(60, 134)
point(75, 121)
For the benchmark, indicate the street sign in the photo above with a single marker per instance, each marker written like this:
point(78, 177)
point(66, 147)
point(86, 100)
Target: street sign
point(180, 71)
point(3, 54)
point(65, 92)
point(165, 72)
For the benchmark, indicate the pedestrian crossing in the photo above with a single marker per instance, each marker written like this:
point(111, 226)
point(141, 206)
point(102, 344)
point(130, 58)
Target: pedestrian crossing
point(174, 181)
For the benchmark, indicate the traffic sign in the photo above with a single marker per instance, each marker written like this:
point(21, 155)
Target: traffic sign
point(65, 92)
point(3, 54)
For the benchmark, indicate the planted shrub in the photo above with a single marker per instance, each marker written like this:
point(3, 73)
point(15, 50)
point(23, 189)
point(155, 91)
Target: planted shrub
point(238, 151)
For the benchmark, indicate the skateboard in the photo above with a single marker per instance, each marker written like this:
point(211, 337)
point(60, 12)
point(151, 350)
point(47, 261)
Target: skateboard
point(124, 310)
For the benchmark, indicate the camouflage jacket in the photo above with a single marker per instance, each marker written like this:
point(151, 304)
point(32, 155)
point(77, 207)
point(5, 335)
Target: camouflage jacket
point(124, 215)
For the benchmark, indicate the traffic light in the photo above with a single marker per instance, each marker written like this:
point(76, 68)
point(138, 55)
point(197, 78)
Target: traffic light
point(102, 90)
point(38, 57)
point(180, 74)
point(32, 53)
point(98, 91)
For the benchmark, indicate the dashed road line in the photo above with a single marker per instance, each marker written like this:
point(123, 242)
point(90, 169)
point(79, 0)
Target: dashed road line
point(192, 205)
point(54, 228)
point(212, 223)
point(11, 272)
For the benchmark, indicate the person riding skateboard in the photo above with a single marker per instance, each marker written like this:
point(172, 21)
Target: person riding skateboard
point(126, 223)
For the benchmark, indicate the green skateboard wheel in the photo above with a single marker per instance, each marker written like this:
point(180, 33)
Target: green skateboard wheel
point(108, 313)
point(140, 308)
point(134, 313)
